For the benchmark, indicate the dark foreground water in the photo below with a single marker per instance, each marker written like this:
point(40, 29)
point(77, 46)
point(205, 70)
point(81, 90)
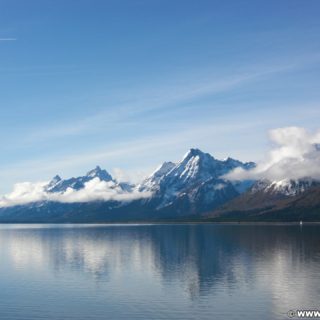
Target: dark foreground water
point(158, 271)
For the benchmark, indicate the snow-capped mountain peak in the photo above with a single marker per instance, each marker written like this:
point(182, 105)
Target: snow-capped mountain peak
point(194, 168)
point(162, 169)
point(59, 185)
point(194, 152)
point(97, 172)
point(152, 182)
point(195, 165)
point(54, 181)
point(285, 187)
point(195, 177)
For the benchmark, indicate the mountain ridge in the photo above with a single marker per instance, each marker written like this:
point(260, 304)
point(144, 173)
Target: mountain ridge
point(192, 188)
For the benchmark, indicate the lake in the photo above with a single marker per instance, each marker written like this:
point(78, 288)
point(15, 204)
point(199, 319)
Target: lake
point(187, 271)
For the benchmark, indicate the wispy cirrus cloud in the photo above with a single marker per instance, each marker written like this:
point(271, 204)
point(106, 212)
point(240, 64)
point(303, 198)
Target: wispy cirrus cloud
point(143, 113)
point(136, 149)
point(8, 39)
point(162, 98)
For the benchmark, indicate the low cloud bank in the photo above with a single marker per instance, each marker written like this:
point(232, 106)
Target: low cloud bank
point(295, 155)
point(94, 190)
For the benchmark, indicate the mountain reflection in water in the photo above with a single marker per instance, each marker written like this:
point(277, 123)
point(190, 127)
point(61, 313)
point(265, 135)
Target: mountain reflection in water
point(158, 271)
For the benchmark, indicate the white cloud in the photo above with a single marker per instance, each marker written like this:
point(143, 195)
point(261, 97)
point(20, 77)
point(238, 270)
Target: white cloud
point(24, 192)
point(121, 175)
point(130, 176)
point(295, 154)
point(94, 190)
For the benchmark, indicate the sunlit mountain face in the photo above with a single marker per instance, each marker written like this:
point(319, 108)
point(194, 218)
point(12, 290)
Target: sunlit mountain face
point(199, 187)
point(191, 186)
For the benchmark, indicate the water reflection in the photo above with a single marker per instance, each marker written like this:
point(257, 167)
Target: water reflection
point(272, 268)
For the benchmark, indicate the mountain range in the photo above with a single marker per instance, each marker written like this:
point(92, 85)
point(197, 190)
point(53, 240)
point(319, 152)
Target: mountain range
point(194, 188)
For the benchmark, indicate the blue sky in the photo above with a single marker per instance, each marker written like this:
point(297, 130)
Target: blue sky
point(129, 84)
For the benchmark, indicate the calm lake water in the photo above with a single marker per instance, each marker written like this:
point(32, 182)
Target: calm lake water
point(158, 271)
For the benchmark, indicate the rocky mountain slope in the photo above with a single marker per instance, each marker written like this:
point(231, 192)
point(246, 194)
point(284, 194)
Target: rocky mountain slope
point(286, 200)
point(187, 188)
point(193, 185)
point(191, 189)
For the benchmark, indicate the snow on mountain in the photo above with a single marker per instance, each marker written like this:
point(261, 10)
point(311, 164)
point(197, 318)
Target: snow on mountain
point(59, 185)
point(233, 163)
point(53, 183)
point(195, 181)
point(285, 187)
point(191, 186)
point(196, 166)
point(152, 182)
point(97, 172)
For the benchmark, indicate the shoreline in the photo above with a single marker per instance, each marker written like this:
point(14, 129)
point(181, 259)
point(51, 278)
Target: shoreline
point(146, 223)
